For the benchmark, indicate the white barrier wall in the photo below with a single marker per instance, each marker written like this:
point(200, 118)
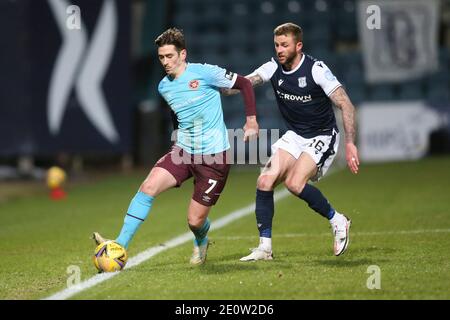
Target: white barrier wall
point(395, 130)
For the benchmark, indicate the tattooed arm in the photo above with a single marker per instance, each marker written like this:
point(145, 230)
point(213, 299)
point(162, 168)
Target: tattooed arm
point(255, 79)
point(342, 101)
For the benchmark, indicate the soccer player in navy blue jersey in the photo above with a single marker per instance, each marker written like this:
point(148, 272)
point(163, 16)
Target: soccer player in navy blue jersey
point(305, 90)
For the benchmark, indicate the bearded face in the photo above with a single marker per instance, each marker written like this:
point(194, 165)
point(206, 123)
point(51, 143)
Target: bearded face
point(287, 49)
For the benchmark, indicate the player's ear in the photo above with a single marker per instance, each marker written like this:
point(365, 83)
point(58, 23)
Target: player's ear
point(299, 46)
point(183, 54)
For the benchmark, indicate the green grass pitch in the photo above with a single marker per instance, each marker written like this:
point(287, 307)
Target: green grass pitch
point(401, 224)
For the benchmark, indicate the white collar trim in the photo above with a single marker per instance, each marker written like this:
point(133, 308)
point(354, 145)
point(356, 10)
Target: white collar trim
point(296, 68)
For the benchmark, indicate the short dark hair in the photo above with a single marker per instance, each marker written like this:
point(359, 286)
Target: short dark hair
point(289, 28)
point(172, 36)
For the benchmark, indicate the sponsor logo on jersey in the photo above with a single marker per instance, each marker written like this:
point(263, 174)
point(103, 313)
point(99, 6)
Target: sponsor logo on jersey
point(229, 75)
point(293, 97)
point(302, 82)
point(280, 82)
point(187, 102)
point(193, 84)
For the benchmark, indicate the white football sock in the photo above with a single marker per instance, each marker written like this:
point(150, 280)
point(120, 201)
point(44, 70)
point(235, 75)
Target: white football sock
point(336, 218)
point(265, 243)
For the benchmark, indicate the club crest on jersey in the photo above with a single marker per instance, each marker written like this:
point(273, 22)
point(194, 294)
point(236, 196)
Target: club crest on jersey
point(302, 82)
point(194, 84)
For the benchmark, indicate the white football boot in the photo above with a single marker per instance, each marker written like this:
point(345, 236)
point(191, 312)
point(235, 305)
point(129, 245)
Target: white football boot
point(199, 254)
point(341, 233)
point(258, 254)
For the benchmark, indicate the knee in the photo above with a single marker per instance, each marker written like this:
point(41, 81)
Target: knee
point(195, 222)
point(294, 186)
point(150, 188)
point(265, 183)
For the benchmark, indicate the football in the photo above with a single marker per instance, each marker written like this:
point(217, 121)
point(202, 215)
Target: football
point(55, 177)
point(110, 256)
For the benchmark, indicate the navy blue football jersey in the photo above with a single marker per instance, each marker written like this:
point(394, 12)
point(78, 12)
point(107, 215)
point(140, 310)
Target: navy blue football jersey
point(302, 95)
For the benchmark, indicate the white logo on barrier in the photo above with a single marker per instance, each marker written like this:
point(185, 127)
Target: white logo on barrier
point(83, 67)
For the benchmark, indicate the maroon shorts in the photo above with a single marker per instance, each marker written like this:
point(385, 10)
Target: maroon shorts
point(210, 172)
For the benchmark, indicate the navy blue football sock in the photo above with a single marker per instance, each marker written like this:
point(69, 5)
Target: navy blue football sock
point(264, 212)
point(316, 201)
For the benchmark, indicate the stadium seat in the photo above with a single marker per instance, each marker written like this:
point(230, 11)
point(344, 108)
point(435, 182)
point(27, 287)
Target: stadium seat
point(383, 92)
point(240, 9)
point(349, 67)
point(351, 74)
point(212, 41)
point(444, 58)
point(346, 30)
point(350, 57)
point(356, 91)
point(192, 41)
point(410, 90)
point(344, 21)
point(264, 40)
point(439, 93)
point(214, 59)
point(441, 75)
point(317, 36)
point(322, 53)
point(182, 6)
point(213, 18)
point(437, 85)
point(194, 57)
point(238, 36)
point(184, 19)
point(237, 61)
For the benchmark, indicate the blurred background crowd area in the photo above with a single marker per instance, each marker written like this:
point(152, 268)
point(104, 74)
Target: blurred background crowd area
point(239, 35)
point(235, 34)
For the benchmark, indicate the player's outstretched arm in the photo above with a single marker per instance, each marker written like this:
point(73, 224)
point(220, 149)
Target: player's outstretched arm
point(255, 80)
point(342, 101)
point(251, 127)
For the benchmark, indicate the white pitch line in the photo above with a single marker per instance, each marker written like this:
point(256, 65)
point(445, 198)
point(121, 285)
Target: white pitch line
point(374, 233)
point(150, 252)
